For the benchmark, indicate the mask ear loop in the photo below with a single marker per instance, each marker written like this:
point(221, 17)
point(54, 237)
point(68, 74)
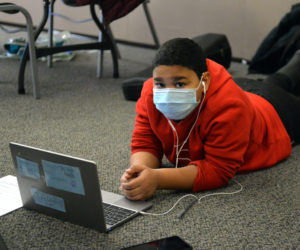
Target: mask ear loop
point(186, 139)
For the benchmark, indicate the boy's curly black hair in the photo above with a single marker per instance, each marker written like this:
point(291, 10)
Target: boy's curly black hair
point(181, 51)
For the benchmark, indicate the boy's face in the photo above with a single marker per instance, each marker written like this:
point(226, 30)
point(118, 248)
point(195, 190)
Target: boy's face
point(178, 77)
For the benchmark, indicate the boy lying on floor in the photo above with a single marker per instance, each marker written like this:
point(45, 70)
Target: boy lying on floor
point(192, 112)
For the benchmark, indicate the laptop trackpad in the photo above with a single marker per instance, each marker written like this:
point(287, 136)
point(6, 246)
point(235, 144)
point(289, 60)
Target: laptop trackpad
point(109, 197)
point(122, 201)
point(134, 205)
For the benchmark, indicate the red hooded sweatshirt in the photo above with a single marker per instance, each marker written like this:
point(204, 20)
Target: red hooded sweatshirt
point(236, 131)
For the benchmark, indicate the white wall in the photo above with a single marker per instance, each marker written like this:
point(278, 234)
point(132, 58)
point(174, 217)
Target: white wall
point(244, 22)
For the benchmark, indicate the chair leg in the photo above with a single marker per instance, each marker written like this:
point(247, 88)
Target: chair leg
point(150, 23)
point(100, 52)
point(32, 55)
point(50, 31)
point(24, 58)
point(108, 39)
point(109, 32)
point(32, 50)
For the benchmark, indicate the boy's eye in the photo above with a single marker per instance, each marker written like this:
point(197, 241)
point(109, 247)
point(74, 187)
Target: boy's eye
point(160, 85)
point(179, 84)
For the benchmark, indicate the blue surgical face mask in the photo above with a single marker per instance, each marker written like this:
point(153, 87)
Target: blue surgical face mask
point(175, 104)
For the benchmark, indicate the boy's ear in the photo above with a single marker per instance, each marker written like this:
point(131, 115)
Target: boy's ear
point(206, 79)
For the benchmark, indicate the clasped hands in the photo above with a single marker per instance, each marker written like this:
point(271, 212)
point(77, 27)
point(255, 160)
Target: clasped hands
point(139, 182)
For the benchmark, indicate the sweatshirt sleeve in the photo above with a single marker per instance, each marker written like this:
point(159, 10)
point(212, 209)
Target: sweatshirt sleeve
point(227, 135)
point(143, 137)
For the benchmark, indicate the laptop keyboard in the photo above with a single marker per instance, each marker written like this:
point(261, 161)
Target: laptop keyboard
point(114, 214)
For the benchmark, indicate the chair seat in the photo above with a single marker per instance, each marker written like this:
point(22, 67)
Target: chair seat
point(111, 9)
point(71, 3)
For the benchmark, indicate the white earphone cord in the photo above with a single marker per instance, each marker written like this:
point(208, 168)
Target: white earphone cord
point(199, 199)
point(174, 129)
point(176, 165)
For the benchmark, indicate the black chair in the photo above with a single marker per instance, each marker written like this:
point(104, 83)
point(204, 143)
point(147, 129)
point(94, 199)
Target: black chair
point(106, 43)
point(111, 10)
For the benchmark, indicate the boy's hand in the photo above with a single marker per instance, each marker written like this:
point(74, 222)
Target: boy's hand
point(139, 182)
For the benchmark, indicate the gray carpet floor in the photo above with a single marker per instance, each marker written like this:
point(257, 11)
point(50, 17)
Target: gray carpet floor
point(81, 115)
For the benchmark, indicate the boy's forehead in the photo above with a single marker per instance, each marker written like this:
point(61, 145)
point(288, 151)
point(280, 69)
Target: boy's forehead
point(172, 71)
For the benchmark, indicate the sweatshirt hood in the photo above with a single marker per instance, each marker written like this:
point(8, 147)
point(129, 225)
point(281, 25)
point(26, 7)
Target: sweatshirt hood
point(219, 77)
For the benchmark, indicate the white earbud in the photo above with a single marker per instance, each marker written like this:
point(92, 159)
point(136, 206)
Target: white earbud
point(204, 89)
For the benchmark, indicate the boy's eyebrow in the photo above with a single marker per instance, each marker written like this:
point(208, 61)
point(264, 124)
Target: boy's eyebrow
point(159, 79)
point(176, 78)
point(179, 78)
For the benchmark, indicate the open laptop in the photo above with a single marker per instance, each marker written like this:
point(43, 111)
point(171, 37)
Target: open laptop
point(67, 188)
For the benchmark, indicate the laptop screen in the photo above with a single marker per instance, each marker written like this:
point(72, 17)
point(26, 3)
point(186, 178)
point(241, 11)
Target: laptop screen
point(59, 185)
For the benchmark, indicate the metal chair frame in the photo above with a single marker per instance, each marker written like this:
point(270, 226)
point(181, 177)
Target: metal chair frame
point(105, 44)
point(30, 45)
point(109, 32)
